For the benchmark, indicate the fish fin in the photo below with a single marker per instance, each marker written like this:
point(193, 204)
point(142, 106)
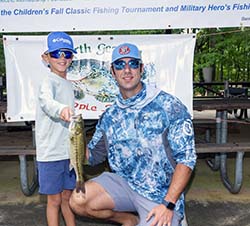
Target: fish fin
point(71, 167)
point(80, 186)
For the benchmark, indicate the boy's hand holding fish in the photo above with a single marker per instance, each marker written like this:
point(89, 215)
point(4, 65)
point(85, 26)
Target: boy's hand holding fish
point(66, 114)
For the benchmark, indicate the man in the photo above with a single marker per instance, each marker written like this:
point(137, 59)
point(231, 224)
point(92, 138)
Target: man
point(149, 144)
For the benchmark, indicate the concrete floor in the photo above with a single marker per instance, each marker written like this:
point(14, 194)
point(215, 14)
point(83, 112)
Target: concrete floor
point(208, 201)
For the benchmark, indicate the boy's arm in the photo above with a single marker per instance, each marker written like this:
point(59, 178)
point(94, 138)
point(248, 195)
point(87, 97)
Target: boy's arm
point(49, 105)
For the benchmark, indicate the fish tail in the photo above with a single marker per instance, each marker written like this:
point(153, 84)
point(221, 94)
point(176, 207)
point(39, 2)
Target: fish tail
point(80, 186)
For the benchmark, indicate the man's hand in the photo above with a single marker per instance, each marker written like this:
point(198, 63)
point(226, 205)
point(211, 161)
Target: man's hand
point(162, 216)
point(66, 114)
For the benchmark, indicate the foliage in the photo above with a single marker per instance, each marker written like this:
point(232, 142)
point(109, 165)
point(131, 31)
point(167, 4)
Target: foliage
point(2, 61)
point(225, 49)
point(206, 55)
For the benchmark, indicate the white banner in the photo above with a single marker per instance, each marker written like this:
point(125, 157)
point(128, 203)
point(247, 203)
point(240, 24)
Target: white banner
point(95, 15)
point(168, 61)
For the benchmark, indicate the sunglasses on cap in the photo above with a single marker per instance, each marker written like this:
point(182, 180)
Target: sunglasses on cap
point(120, 64)
point(58, 53)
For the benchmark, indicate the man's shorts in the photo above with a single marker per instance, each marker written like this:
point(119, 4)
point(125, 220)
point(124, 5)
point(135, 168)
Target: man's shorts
point(127, 200)
point(54, 177)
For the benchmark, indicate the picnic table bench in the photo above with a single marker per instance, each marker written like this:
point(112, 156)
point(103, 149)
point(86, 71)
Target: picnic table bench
point(21, 143)
point(220, 148)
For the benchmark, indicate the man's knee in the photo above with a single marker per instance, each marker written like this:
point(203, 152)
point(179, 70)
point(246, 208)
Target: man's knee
point(77, 203)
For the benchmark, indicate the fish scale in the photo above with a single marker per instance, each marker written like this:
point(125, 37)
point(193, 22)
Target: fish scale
point(77, 150)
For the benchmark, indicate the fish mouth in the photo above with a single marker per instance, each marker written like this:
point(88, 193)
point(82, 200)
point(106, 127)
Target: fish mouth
point(71, 125)
point(73, 119)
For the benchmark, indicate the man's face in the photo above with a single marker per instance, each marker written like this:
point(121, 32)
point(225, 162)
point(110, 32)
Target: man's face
point(127, 72)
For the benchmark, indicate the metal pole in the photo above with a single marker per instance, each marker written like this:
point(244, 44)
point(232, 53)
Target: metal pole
point(28, 189)
point(215, 164)
point(233, 188)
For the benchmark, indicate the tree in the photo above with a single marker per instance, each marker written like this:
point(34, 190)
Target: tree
point(227, 50)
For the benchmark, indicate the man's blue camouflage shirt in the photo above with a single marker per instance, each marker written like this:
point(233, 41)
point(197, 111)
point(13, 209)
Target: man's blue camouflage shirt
point(137, 132)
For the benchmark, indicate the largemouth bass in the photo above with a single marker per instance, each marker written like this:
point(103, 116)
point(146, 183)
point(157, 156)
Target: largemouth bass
point(77, 150)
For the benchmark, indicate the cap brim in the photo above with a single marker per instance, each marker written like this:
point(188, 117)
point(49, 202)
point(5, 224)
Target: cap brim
point(52, 50)
point(121, 57)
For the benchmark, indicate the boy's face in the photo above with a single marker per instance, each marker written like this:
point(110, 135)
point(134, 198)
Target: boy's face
point(58, 61)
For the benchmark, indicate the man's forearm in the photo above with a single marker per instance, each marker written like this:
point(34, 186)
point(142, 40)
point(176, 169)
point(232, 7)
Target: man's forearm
point(179, 181)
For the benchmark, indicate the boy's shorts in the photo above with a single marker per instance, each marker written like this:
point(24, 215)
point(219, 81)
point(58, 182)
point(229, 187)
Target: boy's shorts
point(54, 177)
point(127, 200)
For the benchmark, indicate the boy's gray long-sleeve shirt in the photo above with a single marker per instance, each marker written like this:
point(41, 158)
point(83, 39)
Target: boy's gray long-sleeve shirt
point(52, 134)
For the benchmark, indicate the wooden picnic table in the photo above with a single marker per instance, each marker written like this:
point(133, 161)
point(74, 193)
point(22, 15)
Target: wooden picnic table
point(220, 148)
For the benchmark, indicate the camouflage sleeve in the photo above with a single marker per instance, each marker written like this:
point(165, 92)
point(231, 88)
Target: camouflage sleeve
point(97, 147)
point(181, 140)
point(181, 135)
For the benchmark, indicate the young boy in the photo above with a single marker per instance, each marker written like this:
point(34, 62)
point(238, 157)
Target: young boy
point(55, 106)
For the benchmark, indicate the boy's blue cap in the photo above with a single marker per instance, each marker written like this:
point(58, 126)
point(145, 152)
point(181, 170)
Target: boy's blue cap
point(126, 50)
point(59, 40)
